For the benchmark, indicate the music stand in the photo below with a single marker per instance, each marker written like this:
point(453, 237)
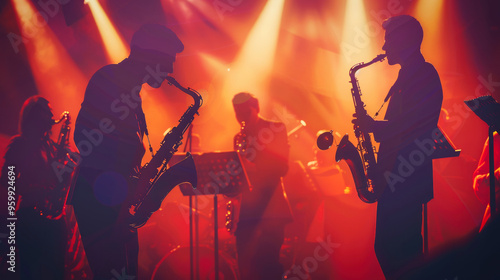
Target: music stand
point(488, 110)
point(188, 147)
point(443, 147)
point(218, 173)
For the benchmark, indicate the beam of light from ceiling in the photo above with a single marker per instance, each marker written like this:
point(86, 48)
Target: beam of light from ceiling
point(357, 45)
point(445, 45)
point(220, 16)
point(313, 21)
point(180, 10)
point(314, 34)
point(254, 62)
point(154, 103)
point(56, 75)
point(198, 19)
point(249, 70)
point(214, 65)
point(116, 49)
point(307, 59)
point(364, 40)
point(217, 106)
point(353, 47)
point(430, 14)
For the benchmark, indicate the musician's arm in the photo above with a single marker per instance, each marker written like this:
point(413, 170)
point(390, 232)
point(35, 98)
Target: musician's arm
point(482, 186)
point(418, 113)
point(481, 175)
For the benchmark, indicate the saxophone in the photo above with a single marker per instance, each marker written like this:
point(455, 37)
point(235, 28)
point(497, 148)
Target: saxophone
point(361, 159)
point(154, 181)
point(234, 203)
point(54, 205)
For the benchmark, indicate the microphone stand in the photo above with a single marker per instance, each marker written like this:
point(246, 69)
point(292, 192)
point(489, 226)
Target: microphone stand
point(193, 240)
point(215, 162)
point(491, 152)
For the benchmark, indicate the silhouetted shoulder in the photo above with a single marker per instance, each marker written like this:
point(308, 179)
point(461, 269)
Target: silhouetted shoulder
point(106, 86)
point(430, 68)
point(107, 74)
point(275, 126)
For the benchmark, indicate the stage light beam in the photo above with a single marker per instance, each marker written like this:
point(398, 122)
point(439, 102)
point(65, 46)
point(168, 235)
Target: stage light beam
point(116, 49)
point(55, 73)
point(430, 14)
point(356, 43)
point(253, 64)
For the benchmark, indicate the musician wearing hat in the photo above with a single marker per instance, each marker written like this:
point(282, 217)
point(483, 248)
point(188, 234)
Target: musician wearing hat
point(108, 133)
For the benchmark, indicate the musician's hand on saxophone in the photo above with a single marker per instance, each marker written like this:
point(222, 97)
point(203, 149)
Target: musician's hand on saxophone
point(70, 162)
point(364, 122)
point(368, 124)
point(361, 159)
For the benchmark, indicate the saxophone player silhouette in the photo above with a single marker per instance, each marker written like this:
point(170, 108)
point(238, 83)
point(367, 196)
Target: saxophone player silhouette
point(109, 133)
point(30, 175)
point(264, 211)
point(412, 112)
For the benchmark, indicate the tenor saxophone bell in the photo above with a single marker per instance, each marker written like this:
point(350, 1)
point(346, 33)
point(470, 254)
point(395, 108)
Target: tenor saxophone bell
point(154, 180)
point(182, 172)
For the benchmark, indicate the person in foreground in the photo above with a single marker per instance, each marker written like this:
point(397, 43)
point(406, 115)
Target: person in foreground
point(30, 176)
point(412, 115)
point(109, 133)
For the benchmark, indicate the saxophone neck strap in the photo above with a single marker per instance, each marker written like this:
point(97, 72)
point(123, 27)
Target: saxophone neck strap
point(141, 120)
point(394, 88)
